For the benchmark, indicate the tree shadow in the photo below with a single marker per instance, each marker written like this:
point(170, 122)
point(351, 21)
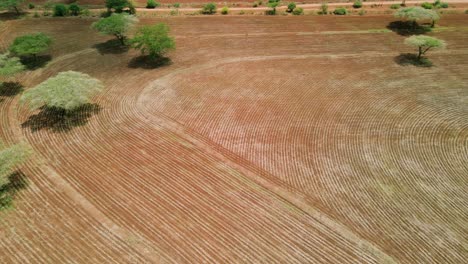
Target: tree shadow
point(146, 62)
point(407, 28)
point(33, 63)
point(58, 120)
point(406, 59)
point(17, 181)
point(112, 46)
point(9, 89)
point(10, 16)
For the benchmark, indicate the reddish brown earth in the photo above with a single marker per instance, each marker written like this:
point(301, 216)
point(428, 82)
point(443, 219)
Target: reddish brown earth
point(266, 139)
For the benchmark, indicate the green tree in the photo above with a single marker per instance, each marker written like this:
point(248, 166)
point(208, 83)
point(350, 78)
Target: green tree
point(10, 65)
point(154, 40)
point(424, 44)
point(117, 25)
point(291, 7)
point(117, 5)
point(209, 9)
point(11, 158)
point(151, 4)
point(75, 9)
point(60, 10)
point(66, 91)
point(14, 5)
point(31, 44)
point(272, 4)
point(417, 14)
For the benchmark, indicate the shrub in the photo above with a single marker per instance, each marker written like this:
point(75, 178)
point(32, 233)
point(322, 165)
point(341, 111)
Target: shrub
point(36, 14)
point(154, 40)
point(298, 11)
point(395, 6)
point(426, 5)
point(209, 9)
point(85, 12)
point(118, 5)
point(255, 4)
point(176, 5)
point(291, 7)
point(225, 10)
point(75, 9)
point(272, 4)
point(31, 6)
point(242, 12)
point(151, 4)
point(174, 12)
point(9, 65)
point(361, 12)
point(341, 11)
point(60, 10)
point(323, 9)
point(466, 11)
point(357, 4)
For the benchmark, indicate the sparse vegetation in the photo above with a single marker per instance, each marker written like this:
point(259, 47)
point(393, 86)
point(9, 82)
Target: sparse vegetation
point(9, 65)
point(395, 6)
point(323, 9)
point(298, 11)
point(426, 5)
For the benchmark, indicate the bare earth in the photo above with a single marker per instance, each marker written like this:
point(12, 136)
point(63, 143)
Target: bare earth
point(264, 140)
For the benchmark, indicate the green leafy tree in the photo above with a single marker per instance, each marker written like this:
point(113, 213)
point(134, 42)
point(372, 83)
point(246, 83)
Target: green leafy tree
point(11, 158)
point(60, 10)
point(14, 5)
point(272, 4)
point(117, 25)
point(151, 4)
point(209, 9)
point(424, 44)
point(357, 4)
point(417, 14)
point(66, 91)
point(75, 9)
point(117, 5)
point(31, 44)
point(154, 40)
point(10, 65)
point(291, 7)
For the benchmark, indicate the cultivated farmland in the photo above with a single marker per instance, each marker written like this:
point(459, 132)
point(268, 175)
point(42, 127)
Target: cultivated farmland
point(262, 140)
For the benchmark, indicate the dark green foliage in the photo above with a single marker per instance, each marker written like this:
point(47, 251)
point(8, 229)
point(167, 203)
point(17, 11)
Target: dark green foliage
point(272, 4)
point(176, 5)
point(153, 40)
point(60, 10)
point(118, 5)
point(75, 9)
point(31, 44)
point(291, 7)
point(151, 4)
point(31, 6)
point(357, 4)
point(341, 11)
point(426, 5)
point(209, 9)
point(13, 5)
point(395, 6)
point(117, 25)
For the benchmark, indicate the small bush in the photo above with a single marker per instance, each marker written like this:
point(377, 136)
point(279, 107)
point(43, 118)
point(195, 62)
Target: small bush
point(323, 9)
point(174, 12)
point(75, 9)
point(60, 10)
point(31, 6)
point(255, 4)
point(85, 12)
point(151, 4)
point(241, 12)
point(36, 14)
point(357, 4)
point(341, 11)
point(298, 11)
point(426, 5)
point(176, 5)
point(361, 12)
point(395, 6)
point(443, 5)
point(225, 10)
point(291, 7)
point(209, 9)
point(466, 11)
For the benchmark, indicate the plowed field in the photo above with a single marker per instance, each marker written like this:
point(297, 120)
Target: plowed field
point(264, 140)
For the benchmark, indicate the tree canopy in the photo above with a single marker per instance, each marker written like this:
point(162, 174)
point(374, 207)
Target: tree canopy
point(11, 158)
point(118, 5)
point(10, 65)
point(31, 44)
point(424, 43)
point(417, 14)
point(154, 40)
point(117, 25)
point(68, 91)
point(14, 5)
